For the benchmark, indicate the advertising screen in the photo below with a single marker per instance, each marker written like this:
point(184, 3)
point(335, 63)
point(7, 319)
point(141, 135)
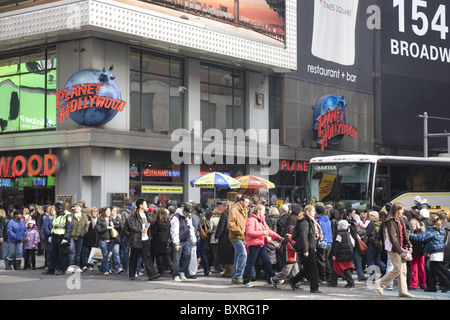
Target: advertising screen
point(335, 43)
point(27, 85)
point(265, 17)
point(415, 64)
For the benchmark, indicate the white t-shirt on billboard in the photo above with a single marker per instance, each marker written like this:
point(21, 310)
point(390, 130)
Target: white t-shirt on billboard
point(334, 30)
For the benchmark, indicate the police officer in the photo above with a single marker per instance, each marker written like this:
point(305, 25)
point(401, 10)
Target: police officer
point(60, 239)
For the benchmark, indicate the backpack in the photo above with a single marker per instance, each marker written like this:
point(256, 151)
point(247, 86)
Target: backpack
point(374, 239)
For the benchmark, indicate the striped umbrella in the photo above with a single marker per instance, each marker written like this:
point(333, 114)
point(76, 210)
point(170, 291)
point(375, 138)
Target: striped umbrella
point(215, 180)
point(253, 182)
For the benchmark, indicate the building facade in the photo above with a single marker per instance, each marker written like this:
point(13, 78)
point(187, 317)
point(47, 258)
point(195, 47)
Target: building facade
point(104, 100)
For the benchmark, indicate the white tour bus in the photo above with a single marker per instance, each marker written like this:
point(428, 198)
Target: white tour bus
point(362, 181)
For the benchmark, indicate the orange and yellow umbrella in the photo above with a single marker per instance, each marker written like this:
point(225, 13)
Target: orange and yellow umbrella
point(253, 182)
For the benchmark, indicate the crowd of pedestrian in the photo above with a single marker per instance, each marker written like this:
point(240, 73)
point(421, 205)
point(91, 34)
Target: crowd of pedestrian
point(244, 240)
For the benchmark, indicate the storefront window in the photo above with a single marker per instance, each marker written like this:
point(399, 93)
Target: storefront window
point(222, 98)
point(154, 177)
point(27, 87)
point(156, 98)
point(25, 187)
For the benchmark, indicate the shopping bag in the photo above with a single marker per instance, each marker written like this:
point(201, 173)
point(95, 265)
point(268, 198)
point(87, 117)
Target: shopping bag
point(193, 264)
point(95, 255)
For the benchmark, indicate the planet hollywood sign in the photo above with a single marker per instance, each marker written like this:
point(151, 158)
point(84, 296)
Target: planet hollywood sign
point(330, 121)
point(90, 97)
point(35, 165)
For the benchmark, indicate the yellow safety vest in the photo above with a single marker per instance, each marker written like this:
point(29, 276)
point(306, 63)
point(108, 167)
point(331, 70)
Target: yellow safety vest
point(59, 224)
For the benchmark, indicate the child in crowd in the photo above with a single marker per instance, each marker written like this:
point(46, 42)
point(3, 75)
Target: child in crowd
point(288, 259)
point(341, 255)
point(31, 245)
point(418, 277)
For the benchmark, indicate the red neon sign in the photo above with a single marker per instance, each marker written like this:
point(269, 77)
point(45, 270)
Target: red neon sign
point(287, 165)
point(331, 124)
point(35, 165)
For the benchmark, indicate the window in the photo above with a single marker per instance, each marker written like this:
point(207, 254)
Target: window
point(155, 100)
point(27, 87)
point(222, 98)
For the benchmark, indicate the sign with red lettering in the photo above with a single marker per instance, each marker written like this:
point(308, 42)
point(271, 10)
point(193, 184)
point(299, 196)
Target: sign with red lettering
point(36, 165)
point(90, 98)
point(290, 165)
point(330, 121)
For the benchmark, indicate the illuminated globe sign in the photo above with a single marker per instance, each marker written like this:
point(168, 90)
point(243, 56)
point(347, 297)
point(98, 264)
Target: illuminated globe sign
point(330, 120)
point(90, 98)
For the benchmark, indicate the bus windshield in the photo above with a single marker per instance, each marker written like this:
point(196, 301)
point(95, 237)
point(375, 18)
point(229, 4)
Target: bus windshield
point(341, 184)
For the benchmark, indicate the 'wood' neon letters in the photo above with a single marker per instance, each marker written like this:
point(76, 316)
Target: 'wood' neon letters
point(36, 165)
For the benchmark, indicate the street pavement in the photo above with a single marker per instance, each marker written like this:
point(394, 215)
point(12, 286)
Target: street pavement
point(92, 285)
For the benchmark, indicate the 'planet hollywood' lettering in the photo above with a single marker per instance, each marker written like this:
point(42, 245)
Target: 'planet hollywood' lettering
point(331, 124)
point(84, 96)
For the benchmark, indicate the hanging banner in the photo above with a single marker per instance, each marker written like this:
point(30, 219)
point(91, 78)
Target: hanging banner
point(334, 45)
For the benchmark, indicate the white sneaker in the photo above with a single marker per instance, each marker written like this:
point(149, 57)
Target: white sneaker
point(183, 276)
point(248, 285)
point(177, 279)
point(78, 269)
point(71, 269)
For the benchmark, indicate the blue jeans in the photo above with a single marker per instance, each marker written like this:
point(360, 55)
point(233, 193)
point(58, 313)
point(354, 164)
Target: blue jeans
point(106, 248)
point(373, 258)
point(75, 252)
point(240, 259)
point(357, 261)
point(115, 259)
point(5, 248)
point(253, 253)
point(15, 250)
point(181, 258)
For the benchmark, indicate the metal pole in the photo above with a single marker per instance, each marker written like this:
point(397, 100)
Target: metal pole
point(425, 134)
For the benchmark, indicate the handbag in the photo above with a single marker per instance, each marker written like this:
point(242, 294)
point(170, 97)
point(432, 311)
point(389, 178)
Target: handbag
point(406, 255)
point(361, 246)
point(114, 233)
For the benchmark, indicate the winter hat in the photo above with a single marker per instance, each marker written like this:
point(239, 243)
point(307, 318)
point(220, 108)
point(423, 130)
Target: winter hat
point(32, 221)
point(343, 224)
point(388, 206)
point(418, 199)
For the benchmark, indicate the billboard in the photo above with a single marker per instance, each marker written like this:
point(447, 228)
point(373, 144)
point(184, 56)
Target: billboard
point(27, 85)
point(335, 45)
point(265, 17)
point(415, 64)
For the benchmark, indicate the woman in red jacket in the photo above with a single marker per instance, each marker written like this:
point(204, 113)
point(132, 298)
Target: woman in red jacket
point(256, 235)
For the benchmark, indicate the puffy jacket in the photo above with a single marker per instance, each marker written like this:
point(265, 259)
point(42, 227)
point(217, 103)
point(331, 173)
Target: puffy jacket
point(342, 250)
point(16, 230)
point(182, 229)
point(254, 234)
point(434, 239)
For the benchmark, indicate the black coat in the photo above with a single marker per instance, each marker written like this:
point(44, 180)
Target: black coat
point(343, 250)
point(160, 237)
point(133, 229)
point(303, 234)
point(90, 239)
point(225, 250)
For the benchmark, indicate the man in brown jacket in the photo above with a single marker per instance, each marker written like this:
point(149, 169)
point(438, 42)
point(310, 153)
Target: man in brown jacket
point(236, 226)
